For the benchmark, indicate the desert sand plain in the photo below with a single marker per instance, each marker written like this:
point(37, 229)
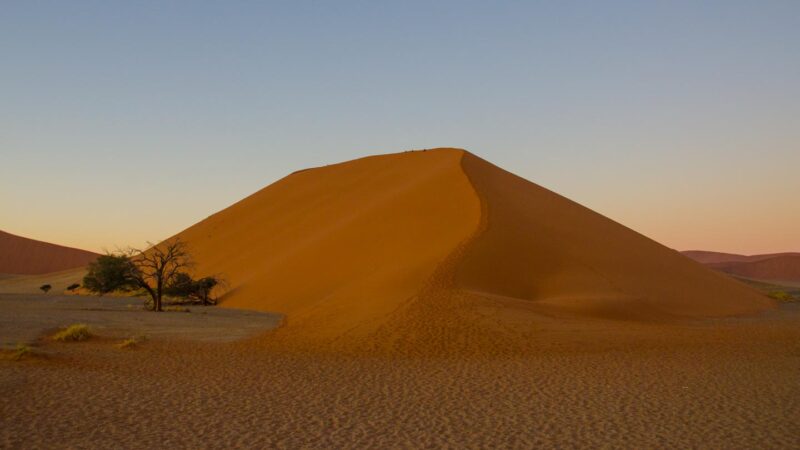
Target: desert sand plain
point(430, 299)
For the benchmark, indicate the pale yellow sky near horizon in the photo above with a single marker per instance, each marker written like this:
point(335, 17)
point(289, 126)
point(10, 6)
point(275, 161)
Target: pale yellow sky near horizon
point(685, 216)
point(125, 122)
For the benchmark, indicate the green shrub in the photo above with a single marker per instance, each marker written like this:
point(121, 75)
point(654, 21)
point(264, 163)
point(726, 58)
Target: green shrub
point(109, 273)
point(73, 333)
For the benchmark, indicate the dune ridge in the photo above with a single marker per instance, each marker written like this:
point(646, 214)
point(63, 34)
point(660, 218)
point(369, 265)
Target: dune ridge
point(440, 249)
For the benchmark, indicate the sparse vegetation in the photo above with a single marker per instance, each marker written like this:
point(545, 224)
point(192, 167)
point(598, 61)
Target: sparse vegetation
point(109, 273)
point(21, 351)
point(73, 286)
point(198, 290)
point(177, 309)
point(131, 343)
point(158, 271)
point(45, 288)
point(779, 292)
point(781, 296)
point(73, 333)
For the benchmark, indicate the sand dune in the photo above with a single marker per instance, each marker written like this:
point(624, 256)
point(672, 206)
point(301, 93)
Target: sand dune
point(397, 244)
point(29, 284)
point(773, 266)
point(23, 256)
point(432, 300)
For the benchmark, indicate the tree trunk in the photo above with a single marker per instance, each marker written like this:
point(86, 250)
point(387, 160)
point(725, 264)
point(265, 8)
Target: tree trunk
point(158, 295)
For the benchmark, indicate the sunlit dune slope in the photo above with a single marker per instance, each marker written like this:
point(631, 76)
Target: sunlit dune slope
point(23, 256)
point(358, 247)
point(347, 242)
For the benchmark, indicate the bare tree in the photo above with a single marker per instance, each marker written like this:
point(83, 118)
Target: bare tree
point(156, 267)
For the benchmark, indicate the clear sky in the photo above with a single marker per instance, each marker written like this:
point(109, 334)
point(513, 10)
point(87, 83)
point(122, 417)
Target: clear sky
point(122, 122)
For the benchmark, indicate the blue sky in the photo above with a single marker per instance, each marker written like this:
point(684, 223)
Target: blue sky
point(122, 122)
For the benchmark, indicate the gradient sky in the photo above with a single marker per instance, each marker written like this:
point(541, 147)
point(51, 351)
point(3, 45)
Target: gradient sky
point(122, 122)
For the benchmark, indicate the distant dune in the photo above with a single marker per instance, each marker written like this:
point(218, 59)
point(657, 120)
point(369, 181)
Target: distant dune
point(437, 247)
point(23, 256)
point(772, 267)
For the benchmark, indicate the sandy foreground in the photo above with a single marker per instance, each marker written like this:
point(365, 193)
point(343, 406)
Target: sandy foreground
point(24, 318)
point(724, 383)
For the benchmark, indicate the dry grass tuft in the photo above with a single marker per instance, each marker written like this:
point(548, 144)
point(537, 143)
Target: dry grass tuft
point(73, 333)
point(131, 343)
point(21, 351)
point(781, 296)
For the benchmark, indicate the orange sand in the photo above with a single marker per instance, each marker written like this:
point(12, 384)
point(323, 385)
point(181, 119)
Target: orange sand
point(584, 384)
point(373, 252)
point(432, 300)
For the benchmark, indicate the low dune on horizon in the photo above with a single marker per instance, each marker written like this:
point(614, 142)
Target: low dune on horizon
point(776, 267)
point(24, 256)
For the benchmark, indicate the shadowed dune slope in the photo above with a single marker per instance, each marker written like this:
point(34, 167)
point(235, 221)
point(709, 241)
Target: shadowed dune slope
point(543, 247)
point(23, 256)
point(358, 247)
point(774, 266)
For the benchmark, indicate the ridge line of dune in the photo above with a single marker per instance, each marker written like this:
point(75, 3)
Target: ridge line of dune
point(441, 251)
point(420, 325)
point(416, 325)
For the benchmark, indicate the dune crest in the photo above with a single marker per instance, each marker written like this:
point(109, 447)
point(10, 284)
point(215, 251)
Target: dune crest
point(441, 246)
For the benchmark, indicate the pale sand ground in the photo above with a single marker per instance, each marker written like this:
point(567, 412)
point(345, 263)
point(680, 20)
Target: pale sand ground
point(24, 318)
point(29, 284)
point(729, 383)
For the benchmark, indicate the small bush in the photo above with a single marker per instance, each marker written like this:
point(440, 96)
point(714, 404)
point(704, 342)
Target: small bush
point(177, 309)
point(21, 351)
point(780, 296)
point(73, 333)
point(131, 343)
point(109, 273)
point(73, 286)
point(45, 288)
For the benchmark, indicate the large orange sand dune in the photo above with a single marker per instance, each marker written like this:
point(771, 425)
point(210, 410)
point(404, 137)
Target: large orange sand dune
point(440, 245)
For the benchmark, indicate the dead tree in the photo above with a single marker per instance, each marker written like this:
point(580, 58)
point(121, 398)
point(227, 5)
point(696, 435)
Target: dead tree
point(153, 269)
